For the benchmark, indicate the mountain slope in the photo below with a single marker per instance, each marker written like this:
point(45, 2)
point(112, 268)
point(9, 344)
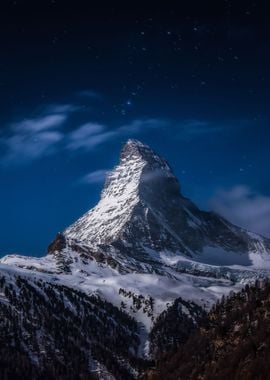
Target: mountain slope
point(59, 332)
point(145, 245)
point(233, 343)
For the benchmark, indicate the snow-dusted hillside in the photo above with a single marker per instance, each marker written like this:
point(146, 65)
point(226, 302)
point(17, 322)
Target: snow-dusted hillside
point(52, 331)
point(145, 244)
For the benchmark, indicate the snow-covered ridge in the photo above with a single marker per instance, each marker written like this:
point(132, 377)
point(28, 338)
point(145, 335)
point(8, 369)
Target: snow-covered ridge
point(120, 195)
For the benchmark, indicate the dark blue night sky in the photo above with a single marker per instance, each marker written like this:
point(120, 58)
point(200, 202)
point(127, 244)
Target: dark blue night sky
point(76, 82)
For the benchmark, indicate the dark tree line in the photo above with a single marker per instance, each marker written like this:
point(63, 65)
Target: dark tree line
point(232, 343)
point(50, 331)
point(174, 326)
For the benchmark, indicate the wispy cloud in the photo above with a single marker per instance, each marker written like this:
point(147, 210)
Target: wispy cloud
point(153, 175)
point(141, 125)
point(96, 176)
point(192, 129)
point(89, 136)
point(39, 124)
point(244, 207)
point(35, 137)
point(25, 147)
point(32, 138)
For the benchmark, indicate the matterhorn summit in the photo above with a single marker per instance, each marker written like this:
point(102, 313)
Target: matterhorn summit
point(125, 197)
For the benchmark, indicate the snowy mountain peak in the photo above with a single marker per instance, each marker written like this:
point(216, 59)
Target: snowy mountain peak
point(135, 149)
point(142, 214)
point(135, 145)
point(138, 165)
point(128, 187)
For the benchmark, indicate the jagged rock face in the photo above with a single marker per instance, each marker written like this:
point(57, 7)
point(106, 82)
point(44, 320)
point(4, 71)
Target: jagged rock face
point(142, 209)
point(58, 244)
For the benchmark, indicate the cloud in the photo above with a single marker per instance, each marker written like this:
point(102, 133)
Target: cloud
point(95, 177)
point(86, 130)
point(89, 136)
point(244, 207)
point(39, 124)
point(26, 140)
point(141, 125)
point(154, 175)
point(33, 138)
point(26, 147)
point(192, 129)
